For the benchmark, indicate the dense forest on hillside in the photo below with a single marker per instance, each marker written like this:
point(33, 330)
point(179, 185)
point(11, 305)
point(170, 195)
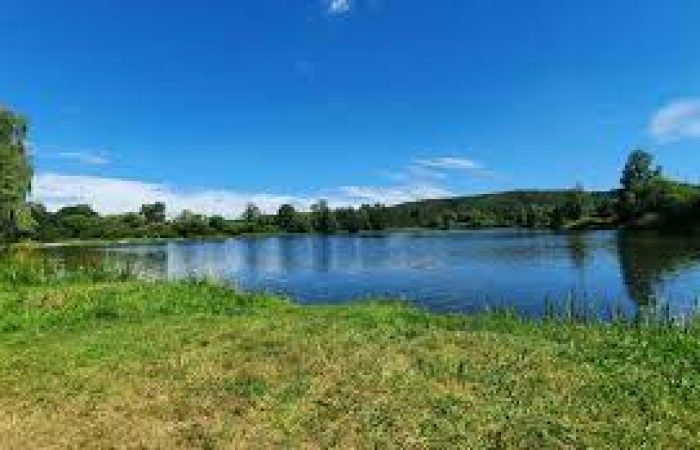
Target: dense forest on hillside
point(645, 198)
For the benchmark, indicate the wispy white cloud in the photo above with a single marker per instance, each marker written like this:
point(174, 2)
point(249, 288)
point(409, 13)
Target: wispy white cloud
point(337, 7)
point(415, 173)
point(677, 120)
point(88, 158)
point(450, 163)
point(438, 170)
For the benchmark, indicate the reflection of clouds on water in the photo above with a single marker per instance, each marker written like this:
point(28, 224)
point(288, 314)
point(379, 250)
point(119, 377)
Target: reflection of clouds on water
point(202, 259)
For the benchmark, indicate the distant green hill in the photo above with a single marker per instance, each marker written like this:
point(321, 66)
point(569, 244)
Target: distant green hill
point(532, 208)
point(507, 199)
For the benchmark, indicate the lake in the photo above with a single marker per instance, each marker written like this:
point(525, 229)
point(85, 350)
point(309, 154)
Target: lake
point(461, 271)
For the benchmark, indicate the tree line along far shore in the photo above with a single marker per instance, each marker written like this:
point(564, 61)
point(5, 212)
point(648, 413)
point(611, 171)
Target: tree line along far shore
point(645, 198)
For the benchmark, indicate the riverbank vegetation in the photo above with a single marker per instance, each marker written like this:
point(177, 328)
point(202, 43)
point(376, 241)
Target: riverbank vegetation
point(99, 359)
point(646, 198)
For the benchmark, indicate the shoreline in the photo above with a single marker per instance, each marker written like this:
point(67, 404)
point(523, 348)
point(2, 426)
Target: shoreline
point(215, 238)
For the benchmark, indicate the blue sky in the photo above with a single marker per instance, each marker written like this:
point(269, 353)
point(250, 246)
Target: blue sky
point(213, 103)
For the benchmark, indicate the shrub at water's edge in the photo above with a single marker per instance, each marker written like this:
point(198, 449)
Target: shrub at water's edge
point(22, 267)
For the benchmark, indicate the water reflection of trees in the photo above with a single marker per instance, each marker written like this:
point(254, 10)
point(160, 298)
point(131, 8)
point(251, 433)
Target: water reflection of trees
point(322, 253)
point(647, 258)
point(253, 259)
point(578, 249)
point(287, 248)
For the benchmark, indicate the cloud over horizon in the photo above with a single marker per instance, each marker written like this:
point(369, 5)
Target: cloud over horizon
point(420, 179)
point(677, 120)
point(115, 195)
point(337, 7)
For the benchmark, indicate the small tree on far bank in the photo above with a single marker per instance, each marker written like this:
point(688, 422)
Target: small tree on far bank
point(154, 213)
point(639, 171)
point(578, 204)
point(639, 178)
point(290, 220)
point(323, 218)
point(252, 213)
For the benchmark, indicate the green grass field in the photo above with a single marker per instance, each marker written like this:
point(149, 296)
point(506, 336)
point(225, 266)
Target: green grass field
point(90, 362)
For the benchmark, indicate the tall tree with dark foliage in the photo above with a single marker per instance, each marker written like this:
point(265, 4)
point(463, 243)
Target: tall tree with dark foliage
point(15, 176)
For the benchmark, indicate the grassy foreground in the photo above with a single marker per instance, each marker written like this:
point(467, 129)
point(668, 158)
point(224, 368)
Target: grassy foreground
point(131, 364)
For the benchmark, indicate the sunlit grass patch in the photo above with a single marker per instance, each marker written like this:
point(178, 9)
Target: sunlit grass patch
point(200, 365)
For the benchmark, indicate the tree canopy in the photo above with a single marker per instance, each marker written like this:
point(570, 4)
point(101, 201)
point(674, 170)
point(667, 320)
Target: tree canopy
point(15, 176)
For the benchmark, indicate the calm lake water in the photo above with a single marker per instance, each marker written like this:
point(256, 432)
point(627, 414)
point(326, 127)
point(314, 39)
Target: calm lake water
point(442, 271)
